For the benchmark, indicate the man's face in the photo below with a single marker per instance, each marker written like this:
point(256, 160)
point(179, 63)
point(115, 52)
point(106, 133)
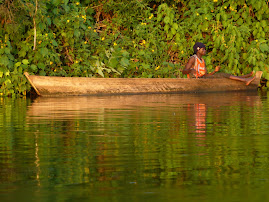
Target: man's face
point(202, 51)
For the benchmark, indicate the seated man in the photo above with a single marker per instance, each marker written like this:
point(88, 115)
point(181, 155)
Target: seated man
point(196, 67)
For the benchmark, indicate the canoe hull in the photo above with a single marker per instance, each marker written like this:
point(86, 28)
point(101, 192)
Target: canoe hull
point(62, 86)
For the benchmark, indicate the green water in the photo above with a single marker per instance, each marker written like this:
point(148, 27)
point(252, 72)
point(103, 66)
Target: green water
point(201, 147)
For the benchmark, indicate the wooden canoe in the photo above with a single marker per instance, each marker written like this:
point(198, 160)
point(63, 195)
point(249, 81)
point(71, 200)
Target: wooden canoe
point(63, 86)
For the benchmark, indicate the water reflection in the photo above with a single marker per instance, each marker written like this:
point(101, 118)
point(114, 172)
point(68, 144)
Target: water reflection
point(55, 105)
point(157, 146)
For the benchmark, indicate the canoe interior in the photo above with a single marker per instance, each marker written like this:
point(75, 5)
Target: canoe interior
point(62, 86)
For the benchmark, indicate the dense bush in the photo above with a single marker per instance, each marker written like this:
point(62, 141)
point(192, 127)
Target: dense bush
point(128, 38)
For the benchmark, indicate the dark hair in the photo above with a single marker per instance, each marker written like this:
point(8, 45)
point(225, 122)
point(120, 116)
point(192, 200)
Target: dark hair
point(197, 46)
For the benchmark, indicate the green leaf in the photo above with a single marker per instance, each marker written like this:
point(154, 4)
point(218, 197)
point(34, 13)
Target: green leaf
point(144, 74)
point(4, 60)
point(218, 17)
point(245, 15)
point(25, 61)
point(20, 69)
point(49, 21)
point(166, 20)
point(173, 31)
point(44, 51)
point(7, 81)
point(55, 11)
point(141, 52)
point(66, 8)
point(166, 28)
point(76, 24)
point(244, 56)
point(113, 62)
point(264, 47)
point(261, 64)
point(258, 5)
point(57, 22)
point(33, 67)
point(7, 50)
point(224, 16)
point(17, 64)
point(77, 33)
point(10, 64)
point(56, 2)
point(22, 53)
point(42, 26)
point(255, 32)
point(263, 23)
point(54, 43)
point(83, 26)
point(254, 61)
point(124, 62)
point(159, 17)
point(42, 73)
point(236, 16)
point(125, 53)
point(175, 26)
point(41, 66)
point(8, 43)
point(145, 66)
point(240, 21)
point(100, 72)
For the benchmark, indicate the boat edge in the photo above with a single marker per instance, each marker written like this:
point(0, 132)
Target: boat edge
point(26, 74)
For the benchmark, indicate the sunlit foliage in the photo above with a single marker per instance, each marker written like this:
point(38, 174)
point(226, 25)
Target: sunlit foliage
point(128, 38)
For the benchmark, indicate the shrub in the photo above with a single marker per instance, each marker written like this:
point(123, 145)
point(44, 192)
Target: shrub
point(147, 38)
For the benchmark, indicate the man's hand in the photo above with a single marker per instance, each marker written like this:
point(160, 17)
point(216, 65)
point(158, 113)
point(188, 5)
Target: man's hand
point(192, 71)
point(217, 68)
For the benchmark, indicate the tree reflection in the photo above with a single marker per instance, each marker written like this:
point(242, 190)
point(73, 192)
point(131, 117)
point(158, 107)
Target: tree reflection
point(161, 141)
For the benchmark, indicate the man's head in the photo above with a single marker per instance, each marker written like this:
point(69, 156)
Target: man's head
point(198, 46)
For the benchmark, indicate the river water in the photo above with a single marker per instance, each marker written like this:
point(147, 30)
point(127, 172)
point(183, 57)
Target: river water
point(190, 147)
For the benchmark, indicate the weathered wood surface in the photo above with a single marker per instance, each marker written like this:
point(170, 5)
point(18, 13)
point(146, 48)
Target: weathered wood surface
point(62, 86)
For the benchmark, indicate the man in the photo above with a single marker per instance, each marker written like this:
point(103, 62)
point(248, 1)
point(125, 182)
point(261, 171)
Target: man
point(196, 67)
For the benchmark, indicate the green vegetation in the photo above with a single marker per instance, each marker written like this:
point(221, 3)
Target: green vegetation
point(128, 38)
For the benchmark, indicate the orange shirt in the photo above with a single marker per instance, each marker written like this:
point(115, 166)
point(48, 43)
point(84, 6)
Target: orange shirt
point(199, 67)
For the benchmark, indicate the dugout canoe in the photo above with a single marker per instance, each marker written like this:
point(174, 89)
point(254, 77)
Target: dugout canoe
point(63, 86)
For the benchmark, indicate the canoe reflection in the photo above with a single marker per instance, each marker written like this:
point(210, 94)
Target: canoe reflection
point(64, 107)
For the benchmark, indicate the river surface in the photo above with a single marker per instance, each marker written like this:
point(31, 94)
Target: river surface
point(191, 147)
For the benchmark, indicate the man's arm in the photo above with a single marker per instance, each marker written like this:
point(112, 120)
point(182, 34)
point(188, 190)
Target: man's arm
point(189, 67)
point(216, 70)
